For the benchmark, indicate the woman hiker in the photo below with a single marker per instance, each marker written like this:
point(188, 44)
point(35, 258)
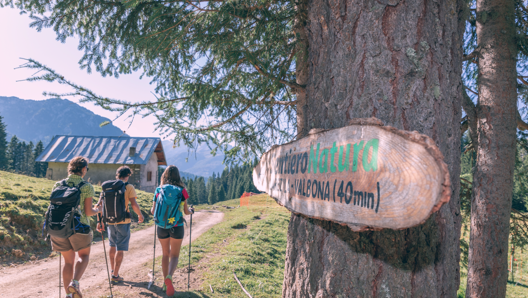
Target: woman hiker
point(170, 227)
point(81, 241)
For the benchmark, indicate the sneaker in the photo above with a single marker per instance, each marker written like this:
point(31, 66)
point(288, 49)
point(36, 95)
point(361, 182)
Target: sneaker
point(74, 289)
point(164, 288)
point(170, 288)
point(116, 279)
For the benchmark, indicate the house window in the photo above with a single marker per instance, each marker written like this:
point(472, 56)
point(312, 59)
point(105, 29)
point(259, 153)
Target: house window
point(132, 151)
point(149, 176)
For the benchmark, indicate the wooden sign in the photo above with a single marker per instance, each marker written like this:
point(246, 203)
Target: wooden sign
point(365, 175)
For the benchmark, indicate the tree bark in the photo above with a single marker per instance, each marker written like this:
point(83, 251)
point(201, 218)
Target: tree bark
point(493, 177)
point(399, 61)
point(301, 64)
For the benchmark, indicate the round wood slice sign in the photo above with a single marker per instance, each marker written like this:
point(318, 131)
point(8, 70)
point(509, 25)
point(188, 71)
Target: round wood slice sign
point(365, 175)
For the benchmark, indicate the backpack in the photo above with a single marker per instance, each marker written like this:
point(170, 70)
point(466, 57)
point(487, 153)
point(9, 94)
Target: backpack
point(113, 196)
point(166, 210)
point(62, 218)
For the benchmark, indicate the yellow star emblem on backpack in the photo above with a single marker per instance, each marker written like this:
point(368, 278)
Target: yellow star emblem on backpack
point(171, 220)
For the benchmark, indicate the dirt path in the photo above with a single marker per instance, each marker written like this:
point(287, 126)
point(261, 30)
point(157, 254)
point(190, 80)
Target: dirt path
point(40, 279)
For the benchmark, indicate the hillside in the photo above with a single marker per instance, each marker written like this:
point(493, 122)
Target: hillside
point(35, 120)
point(23, 203)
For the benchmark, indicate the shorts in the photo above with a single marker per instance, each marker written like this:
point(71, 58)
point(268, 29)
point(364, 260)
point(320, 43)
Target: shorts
point(76, 242)
point(174, 232)
point(119, 236)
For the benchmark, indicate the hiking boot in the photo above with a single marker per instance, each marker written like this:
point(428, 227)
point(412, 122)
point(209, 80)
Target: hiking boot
point(74, 289)
point(116, 279)
point(170, 287)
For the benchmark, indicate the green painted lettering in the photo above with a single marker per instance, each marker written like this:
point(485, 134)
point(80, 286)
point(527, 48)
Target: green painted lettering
point(313, 159)
point(333, 150)
point(342, 164)
point(373, 164)
point(357, 148)
point(323, 158)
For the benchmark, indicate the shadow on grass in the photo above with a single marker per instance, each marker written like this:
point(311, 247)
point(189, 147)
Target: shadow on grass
point(517, 284)
point(156, 291)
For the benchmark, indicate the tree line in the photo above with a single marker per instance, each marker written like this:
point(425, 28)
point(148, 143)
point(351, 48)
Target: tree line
point(231, 184)
point(18, 156)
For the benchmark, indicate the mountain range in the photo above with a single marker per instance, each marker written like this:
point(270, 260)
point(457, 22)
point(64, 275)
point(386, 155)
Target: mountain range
point(40, 120)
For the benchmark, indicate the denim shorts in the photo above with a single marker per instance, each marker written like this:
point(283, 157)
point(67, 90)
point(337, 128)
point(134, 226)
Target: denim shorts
point(119, 236)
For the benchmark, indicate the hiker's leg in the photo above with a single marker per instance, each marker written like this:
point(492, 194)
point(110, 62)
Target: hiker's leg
point(121, 240)
point(82, 263)
point(174, 254)
point(67, 269)
point(112, 254)
point(118, 261)
point(165, 247)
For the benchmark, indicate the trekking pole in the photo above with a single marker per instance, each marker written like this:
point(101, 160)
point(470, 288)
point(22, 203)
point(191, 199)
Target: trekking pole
point(106, 258)
point(153, 258)
point(60, 269)
point(189, 269)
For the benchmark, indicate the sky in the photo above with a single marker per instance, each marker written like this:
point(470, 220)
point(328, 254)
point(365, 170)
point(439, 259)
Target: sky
point(18, 40)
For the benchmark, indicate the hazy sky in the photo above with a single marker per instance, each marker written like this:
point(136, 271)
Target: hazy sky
point(18, 40)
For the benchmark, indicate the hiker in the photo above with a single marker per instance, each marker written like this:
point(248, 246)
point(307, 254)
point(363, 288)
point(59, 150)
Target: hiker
point(119, 232)
point(170, 201)
point(81, 239)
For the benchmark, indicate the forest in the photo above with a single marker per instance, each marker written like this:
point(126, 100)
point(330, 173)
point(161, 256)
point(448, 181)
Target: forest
point(230, 184)
point(18, 156)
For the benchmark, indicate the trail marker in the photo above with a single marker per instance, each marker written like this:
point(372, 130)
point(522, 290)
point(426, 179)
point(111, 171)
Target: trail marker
point(365, 175)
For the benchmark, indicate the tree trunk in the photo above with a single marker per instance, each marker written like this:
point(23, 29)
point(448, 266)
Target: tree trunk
point(493, 177)
point(399, 61)
point(301, 64)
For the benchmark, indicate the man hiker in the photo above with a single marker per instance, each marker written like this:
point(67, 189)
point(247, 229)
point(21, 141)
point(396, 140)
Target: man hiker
point(119, 233)
point(79, 239)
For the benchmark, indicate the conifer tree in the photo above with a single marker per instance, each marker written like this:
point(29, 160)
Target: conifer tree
point(3, 145)
point(190, 191)
point(239, 191)
point(212, 198)
point(29, 159)
point(248, 86)
point(13, 155)
point(39, 168)
point(221, 194)
point(201, 193)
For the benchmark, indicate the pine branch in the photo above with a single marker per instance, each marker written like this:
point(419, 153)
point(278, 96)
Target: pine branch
point(521, 125)
point(471, 112)
point(471, 56)
point(289, 84)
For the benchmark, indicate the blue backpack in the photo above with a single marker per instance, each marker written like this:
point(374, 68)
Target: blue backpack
point(166, 212)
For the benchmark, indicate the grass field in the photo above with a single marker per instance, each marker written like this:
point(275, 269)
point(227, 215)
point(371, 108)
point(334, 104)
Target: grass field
point(23, 203)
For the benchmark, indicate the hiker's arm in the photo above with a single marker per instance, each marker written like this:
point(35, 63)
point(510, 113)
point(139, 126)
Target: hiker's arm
point(88, 208)
point(186, 208)
point(135, 206)
point(152, 209)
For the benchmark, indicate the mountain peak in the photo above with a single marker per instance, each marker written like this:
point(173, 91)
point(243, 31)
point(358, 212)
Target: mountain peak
point(40, 120)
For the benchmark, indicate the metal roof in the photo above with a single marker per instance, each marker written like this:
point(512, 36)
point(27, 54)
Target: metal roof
point(103, 150)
